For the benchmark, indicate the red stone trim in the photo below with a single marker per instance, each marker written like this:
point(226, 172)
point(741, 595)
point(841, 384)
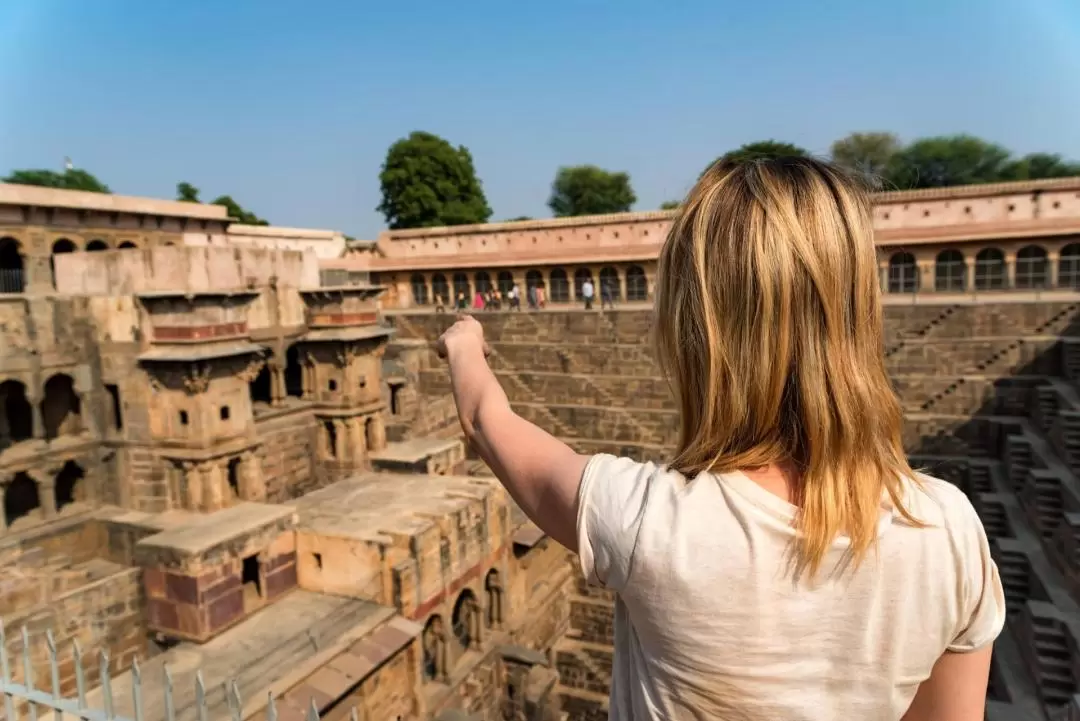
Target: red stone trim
point(334, 319)
point(185, 333)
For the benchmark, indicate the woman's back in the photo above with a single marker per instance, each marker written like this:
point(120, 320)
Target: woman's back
point(711, 623)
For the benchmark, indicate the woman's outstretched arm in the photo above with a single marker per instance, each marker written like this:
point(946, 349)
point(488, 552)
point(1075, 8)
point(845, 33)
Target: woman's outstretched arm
point(540, 472)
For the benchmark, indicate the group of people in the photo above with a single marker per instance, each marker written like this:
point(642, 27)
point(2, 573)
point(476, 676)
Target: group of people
point(535, 296)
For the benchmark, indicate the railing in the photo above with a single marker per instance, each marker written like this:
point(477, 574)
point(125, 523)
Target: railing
point(28, 695)
point(12, 280)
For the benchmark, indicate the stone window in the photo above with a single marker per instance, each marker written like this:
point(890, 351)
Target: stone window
point(60, 409)
point(294, 373)
point(560, 286)
point(990, 271)
point(260, 386)
point(224, 413)
point(463, 619)
point(250, 576)
point(483, 282)
point(462, 287)
point(440, 288)
point(636, 286)
point(67, 489)
point(12, 274)
point(17, 421)
point(419, 289)
point(117, 413)
point(903, 273)
point(96, 245)
point(950, 272)
point(331, 385)
point(1032, 267)
point(183, 418)
point(505, 282)
point(1069, 266)
point(233, 475)
point(20, 498)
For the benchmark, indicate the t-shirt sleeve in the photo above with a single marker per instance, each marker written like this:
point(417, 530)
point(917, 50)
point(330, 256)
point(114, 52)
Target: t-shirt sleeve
point(982, 602)
point(611, 503)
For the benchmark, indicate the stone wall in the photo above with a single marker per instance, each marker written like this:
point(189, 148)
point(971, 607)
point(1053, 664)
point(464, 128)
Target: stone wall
point(287, 453)
point(991, 395)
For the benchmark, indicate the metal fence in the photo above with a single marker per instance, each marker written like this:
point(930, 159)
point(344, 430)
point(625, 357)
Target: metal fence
point(12, 280)
point(26, 700)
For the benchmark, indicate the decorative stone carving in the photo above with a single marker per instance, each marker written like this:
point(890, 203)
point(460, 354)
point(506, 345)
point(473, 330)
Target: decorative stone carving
point(197, 379)
point(252, 370)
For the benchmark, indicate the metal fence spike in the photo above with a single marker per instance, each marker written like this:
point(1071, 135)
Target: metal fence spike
point(28, 674)
point(5, 675)
point(170, 711)
point(106, 684)
point(271, 709)
point(54, 671)
point(313, 711)
point(136, 689)
point(80, 677)
point(200, 696)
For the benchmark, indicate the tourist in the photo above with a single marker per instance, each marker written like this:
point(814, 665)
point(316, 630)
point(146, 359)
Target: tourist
point(607, 299)
point(541, 297)
point(587, 293)
point(530, 294)
point(439, 306)
point(786, 562)
point(478, 301)
point(515, 298)
point(461, 303)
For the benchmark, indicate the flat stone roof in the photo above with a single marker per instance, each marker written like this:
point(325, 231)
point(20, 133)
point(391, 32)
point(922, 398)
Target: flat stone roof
point(373, 506)
point(365, 332)
point(204, 350)
point(273, 650)
point(217, 528)
point(15, 194)
point(414, 450)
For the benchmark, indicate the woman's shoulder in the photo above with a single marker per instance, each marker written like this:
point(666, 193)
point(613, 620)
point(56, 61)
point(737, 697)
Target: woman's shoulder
point(939, 503)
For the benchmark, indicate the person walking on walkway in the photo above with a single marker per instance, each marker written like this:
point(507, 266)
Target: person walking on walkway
point(587, 293)
point(785, 562)
point(607, 297)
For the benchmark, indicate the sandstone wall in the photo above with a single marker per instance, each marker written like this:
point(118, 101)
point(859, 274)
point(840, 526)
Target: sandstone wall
point(287, 453)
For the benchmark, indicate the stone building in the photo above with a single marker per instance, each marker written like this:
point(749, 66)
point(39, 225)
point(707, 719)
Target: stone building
point(205, 466)
point(974, 239)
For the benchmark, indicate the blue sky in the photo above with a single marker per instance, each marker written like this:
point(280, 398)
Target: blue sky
point(290, 107)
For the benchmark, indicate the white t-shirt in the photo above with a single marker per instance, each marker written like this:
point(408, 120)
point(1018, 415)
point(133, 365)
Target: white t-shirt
point(710, 625)
point(587, 289)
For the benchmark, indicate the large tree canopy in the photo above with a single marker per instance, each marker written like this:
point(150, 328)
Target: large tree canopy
point(866, 153)
point(237, 213)
point(1040, 165)
point(187, 193)
point(427, 182)
point(947, 160)
point(589, 190)
point(70, 179)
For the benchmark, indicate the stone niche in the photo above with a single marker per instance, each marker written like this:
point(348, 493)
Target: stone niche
point(204, 576)
point(432, 456)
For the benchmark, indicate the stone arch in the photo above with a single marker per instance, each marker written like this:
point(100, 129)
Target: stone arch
point(636, 285)
point(463, 620)
point(62, 245)
point(505, 282)
point(419, 289)
point(494, 589)
point(96, 245)
point(462, 287)
point(482, 281)
point(232, 476)
point(580, 276)
point(440, 288)
point(1032, 267)
point(68, 488)
point(903, 273)
point(60, 408)
point(261, 387)
point(560, 286)
point(16, 414)
point(12, 271)
point(950, 271)
point(127, 244)
point(534, 279)
point(433, 643)
point(21, 498)
point(990, 273)
point(294, 372)
point(1069, 266)
point(609, 283)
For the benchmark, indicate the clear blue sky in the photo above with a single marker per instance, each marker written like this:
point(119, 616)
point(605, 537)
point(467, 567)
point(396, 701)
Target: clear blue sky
point(290, 106)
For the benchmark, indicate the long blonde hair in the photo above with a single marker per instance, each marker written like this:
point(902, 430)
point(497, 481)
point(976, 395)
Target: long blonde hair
point(769, 328)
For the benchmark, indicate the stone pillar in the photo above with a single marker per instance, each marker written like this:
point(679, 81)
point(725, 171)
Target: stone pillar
point(969, 274)
point(356, 438)
point(213, 478)
point(38, 432)
point(323, 441)
point(376, 433)
point(193, 486)
point(47, 496)
point(476, 623)
point(277, 384)
point(1053, 264)
point(309, 378)
point(343, 452)
point(1010, 270)
point(251, 481)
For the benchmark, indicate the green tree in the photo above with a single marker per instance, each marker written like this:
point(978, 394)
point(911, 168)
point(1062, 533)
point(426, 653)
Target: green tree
point(518, 218)
point(70, 179)
point(187, 193)
point(670, 205)
point(589, 190)
point(1040, 165)
point(427, 182)
point(866, 153)
point(237, 213)
point(947, 160)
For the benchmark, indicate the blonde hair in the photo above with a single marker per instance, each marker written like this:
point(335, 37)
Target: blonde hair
point(769, 329)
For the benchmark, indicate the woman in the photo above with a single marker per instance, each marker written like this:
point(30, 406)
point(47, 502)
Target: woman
point(786, 563)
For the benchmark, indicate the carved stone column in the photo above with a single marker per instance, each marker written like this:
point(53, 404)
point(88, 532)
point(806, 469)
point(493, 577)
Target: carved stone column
point(343, 452)
point(442, 671)
point(476, 624)
point(252, 484)
point(356, 439)
point(38, 418)
point(322, 439)
point(376, 433)
point(213, 479)
point(193, 486)
point(277, 384)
